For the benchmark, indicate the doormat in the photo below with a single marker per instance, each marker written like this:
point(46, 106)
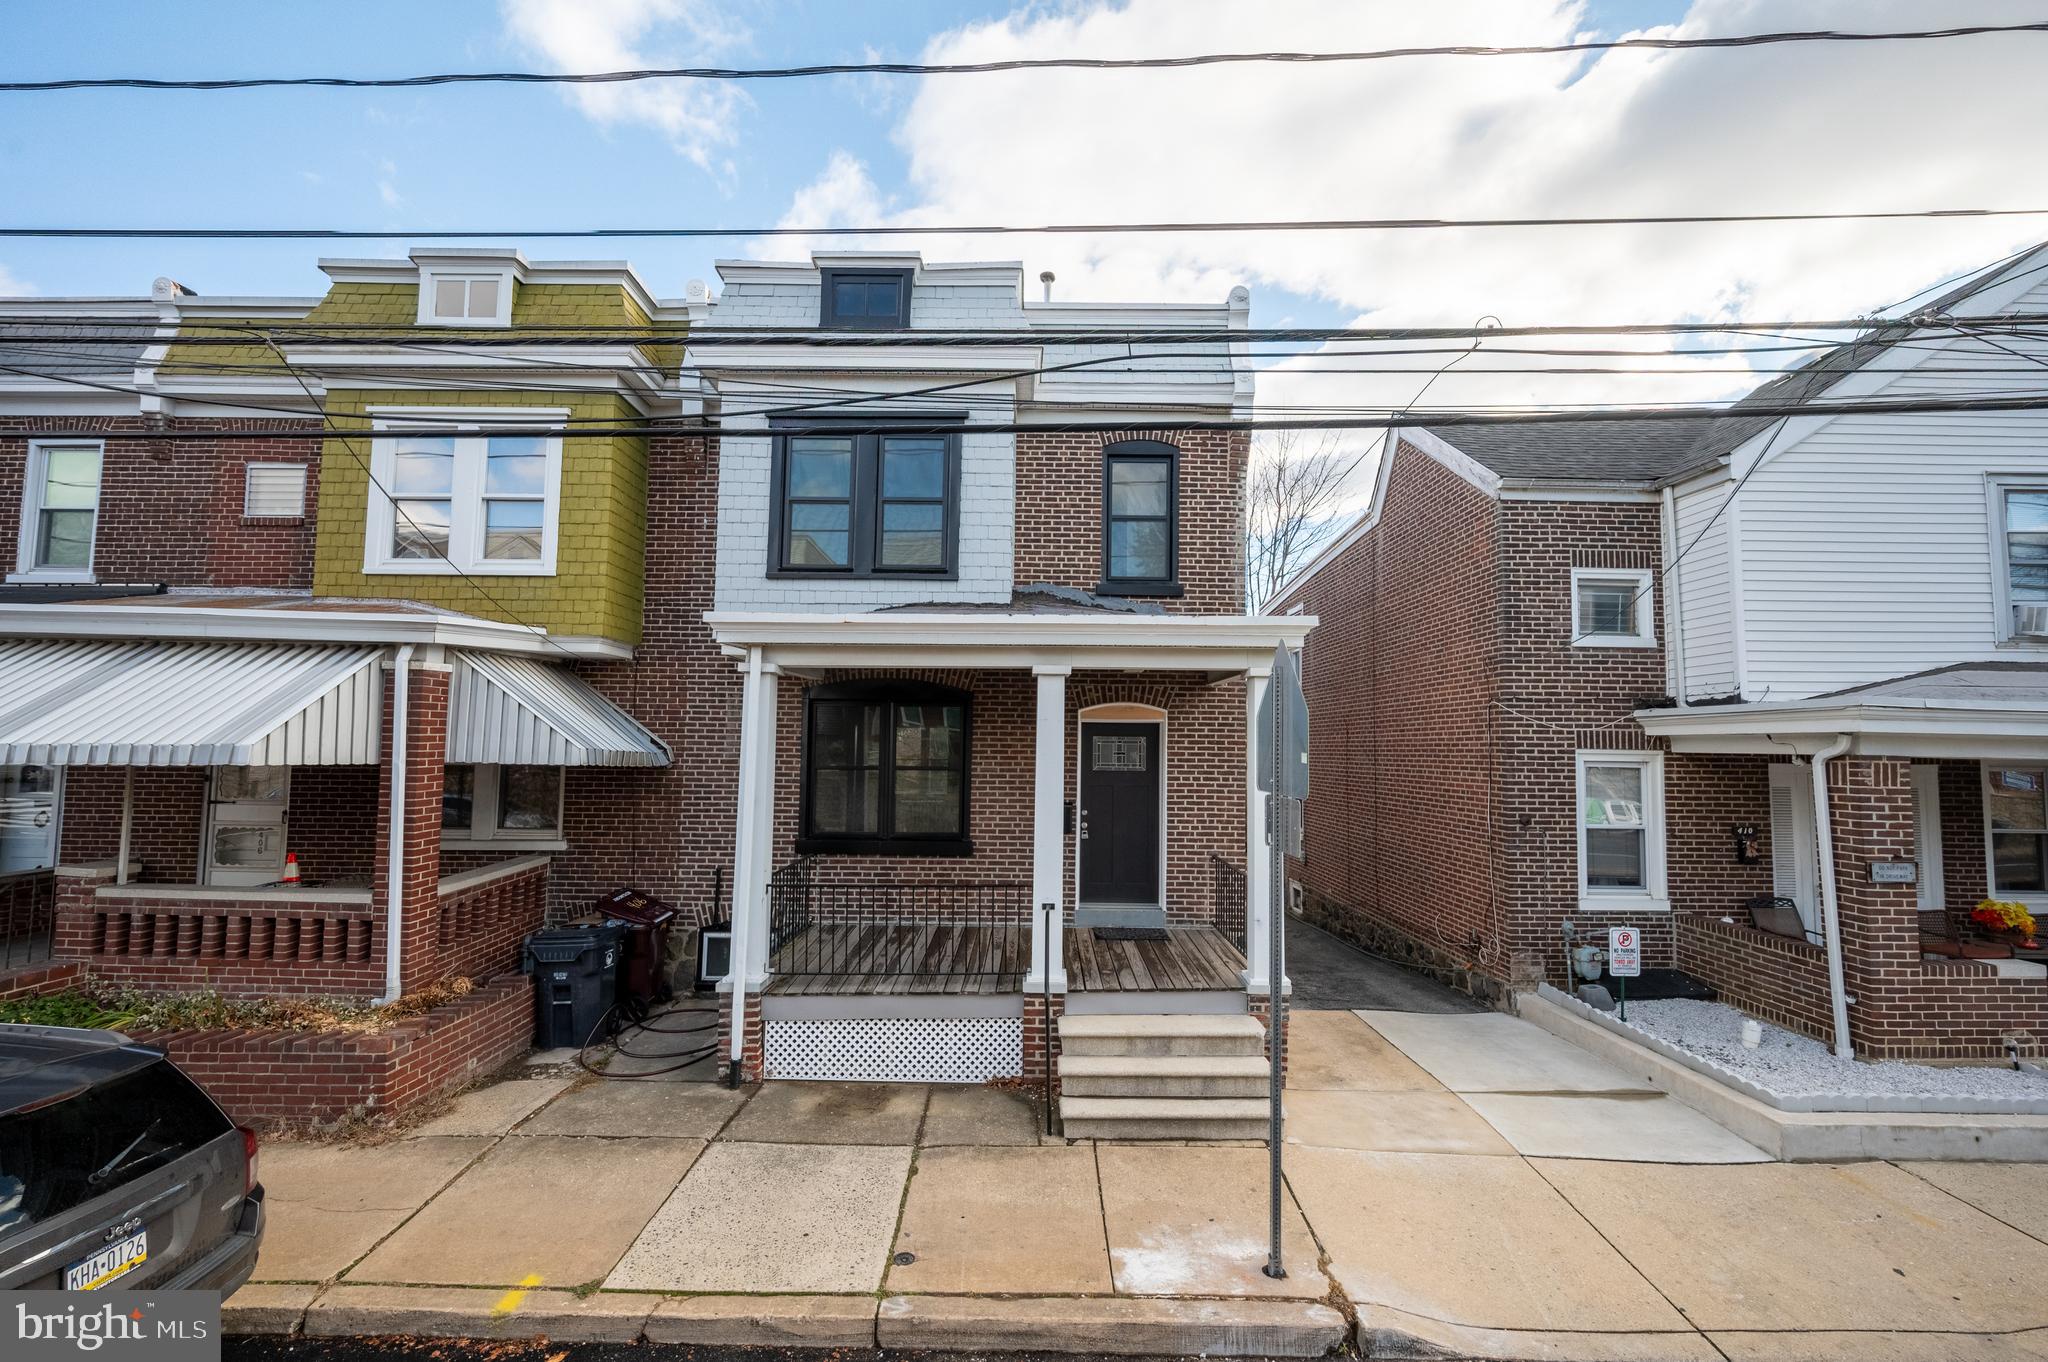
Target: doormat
point(1130, 934)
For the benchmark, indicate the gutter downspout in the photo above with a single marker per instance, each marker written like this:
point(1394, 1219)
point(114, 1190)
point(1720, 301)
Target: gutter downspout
point(1830, 908)
point(1674, 603)
point(394, 852)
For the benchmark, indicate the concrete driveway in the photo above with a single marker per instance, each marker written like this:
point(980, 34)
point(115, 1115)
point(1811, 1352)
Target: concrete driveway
point(1463, 1181)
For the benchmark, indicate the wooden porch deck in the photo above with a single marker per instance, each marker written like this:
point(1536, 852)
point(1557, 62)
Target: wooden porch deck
point(959, 959)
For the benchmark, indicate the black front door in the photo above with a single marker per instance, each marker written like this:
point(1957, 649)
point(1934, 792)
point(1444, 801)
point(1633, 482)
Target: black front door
point(1119, 824)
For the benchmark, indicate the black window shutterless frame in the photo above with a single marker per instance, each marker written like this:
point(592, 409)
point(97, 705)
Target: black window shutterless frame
point(865, 300)
point(1126, 516)
point(883, 702)
point(873, 504)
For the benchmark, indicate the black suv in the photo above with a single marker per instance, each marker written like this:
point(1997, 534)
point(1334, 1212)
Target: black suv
point(116, 1170)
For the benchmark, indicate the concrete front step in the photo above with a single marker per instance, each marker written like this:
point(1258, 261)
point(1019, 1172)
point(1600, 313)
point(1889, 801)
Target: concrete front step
point(1164, 1075)
point(1163, 1118)
point(1161, 1033)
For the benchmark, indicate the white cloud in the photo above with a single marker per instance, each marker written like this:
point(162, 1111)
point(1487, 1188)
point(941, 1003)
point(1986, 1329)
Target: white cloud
point(13, 285)
point(387, 184)
point(1811, 127)
point(615, 35)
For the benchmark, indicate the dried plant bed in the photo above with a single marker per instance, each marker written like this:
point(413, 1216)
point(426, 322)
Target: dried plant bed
point(1797, 1073)
point(132, 1010)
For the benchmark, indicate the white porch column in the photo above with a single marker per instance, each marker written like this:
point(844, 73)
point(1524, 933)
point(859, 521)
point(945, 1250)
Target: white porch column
point(1049, 834)
point(1258, 865)
point(753, 802)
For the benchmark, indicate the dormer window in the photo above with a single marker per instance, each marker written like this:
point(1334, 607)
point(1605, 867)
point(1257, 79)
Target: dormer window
point(465, 300)
point(870, 300)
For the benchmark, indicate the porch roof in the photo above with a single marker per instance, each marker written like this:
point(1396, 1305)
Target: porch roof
point(1970, 709)
point(999, 639)
point(72, 702)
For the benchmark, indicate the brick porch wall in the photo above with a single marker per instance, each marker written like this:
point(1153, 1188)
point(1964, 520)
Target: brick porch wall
point(1205, 765)
point(277, 1078)
point(478, 930)
point(1777, 978)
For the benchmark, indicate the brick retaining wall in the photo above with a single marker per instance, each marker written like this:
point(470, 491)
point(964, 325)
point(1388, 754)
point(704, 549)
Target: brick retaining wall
point(274, 1078)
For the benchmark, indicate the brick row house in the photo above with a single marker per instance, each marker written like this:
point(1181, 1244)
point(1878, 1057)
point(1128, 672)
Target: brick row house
point(1772, 691)
point(933, 707)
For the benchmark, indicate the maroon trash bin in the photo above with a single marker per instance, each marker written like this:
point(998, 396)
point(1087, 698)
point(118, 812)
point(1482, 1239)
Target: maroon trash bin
point(647, 921)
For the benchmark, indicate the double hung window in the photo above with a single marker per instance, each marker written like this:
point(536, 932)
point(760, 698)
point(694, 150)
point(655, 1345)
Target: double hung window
point(501, 804)
point(1621, 830)
point(465, 501)
point(60, 510)
point(1141, 519)
point(865, 505)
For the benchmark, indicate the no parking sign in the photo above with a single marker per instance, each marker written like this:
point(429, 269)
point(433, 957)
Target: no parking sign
point(1624, 952)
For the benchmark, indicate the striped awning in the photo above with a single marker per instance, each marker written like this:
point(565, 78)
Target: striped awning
point(84, 703)
point(519, 712)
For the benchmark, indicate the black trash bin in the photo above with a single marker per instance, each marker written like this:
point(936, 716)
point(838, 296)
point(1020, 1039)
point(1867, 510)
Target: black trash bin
point(647, 920)
point(576, 971)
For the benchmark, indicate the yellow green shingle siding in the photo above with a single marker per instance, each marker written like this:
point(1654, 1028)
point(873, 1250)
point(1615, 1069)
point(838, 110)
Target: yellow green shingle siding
point(601, 540)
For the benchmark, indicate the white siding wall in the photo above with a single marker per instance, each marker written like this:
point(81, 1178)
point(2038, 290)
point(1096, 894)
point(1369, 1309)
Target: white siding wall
point(949, 307)
point(1866, 546)
point(1706, 600)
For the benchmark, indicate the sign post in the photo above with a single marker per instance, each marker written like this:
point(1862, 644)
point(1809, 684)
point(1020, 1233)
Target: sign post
point(1624, 959)
point(1282, 774)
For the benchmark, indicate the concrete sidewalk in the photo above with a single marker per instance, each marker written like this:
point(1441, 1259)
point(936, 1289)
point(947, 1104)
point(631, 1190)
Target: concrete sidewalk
point(1464, 1183)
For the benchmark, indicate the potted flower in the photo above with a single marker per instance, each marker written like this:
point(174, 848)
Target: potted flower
point(2003, 917)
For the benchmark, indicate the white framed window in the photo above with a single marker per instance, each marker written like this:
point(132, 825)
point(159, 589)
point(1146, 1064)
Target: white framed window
point(465, 298)
point(1612, 608)
point(60, 511)
point(455, 500)
point(2016, 830)
point(2018, 511)
point(493, 806)
point(1621, 831)
point(274, 491)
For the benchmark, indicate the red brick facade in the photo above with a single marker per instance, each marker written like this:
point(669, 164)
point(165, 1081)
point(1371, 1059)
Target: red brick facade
point(170, 511)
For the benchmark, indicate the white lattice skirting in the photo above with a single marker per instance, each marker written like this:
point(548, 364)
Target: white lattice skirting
point(896, 1049)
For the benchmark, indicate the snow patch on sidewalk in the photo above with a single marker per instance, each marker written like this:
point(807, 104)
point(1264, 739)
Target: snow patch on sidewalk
point(1792, 1065)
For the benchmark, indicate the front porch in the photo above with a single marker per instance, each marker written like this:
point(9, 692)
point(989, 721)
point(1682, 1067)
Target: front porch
point(945, 959)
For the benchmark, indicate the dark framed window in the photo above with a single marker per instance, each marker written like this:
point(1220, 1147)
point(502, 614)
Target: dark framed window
point(885, 769)
point(866, 299)
point(1141, 519)
point(865, 505)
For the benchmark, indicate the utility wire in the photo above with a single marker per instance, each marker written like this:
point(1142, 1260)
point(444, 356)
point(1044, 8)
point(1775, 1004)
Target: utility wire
point(889, 68)
point(986, 229)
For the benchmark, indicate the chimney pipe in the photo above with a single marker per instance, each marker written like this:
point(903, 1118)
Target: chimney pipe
point(1045, 278)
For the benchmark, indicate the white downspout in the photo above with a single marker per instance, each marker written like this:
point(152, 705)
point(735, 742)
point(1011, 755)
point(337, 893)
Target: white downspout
point(1830, 909)
point(394, 853)
point(1674, 604)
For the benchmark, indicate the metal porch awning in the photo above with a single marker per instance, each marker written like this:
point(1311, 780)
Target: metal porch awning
point(517, 712)
point(85, 703)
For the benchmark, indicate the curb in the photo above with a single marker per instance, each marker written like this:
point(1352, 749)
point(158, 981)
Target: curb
point(1086, 1325)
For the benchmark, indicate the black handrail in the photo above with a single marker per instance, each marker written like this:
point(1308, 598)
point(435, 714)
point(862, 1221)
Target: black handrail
point(1227, 897)
point(864, 929)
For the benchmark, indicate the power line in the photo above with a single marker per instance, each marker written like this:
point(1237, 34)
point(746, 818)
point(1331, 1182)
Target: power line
point(1445, 417)
point(883, 68)
point(989, 229)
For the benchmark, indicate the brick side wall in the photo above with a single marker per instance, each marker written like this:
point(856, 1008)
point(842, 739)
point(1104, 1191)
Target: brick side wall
point(171, 510)
point(275, 1078)
point(1966, 880)
point(34, 980)
point(1059, 513)
point(1398, 676)
point(170, 811)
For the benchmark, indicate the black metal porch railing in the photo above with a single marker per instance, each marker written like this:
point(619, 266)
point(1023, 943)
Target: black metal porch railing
point(867, 929)
point(1226, 898)
point(28, 917)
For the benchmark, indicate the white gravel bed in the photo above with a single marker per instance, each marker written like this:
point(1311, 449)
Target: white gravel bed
point(1795, 1066)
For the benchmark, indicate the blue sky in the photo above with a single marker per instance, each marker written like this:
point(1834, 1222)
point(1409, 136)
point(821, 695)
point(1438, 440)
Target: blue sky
point(1805, 128)
point(439, 158)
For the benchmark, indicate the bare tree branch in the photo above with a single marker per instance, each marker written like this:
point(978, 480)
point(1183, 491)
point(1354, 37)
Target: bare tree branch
point(1291, 500)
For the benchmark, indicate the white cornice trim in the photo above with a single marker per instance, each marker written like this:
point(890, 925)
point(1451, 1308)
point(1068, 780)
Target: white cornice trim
point(1213, 643)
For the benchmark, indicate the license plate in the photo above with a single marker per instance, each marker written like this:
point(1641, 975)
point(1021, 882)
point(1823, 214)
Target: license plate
point(115, 1260)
